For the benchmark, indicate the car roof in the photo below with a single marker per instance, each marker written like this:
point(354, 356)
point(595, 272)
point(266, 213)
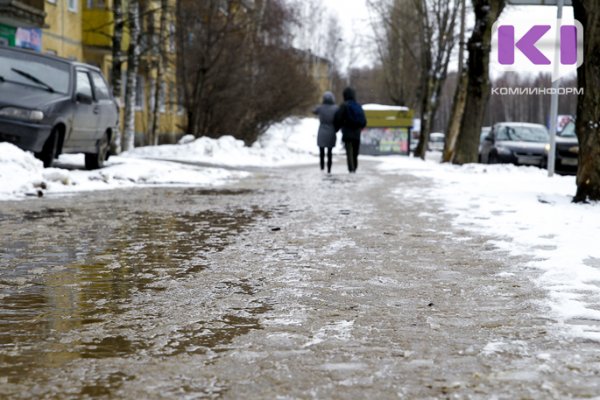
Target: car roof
point(49, 57)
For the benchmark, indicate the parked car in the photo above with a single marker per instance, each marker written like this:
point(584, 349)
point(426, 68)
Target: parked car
point(484, 132)
point(517, 143)
point(436, 141)
point(50, 106)
point(567, 150)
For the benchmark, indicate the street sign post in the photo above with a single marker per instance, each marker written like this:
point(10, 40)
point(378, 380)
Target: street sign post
point(556, 83)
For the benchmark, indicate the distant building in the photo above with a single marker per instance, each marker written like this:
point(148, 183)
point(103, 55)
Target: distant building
point(319, 68)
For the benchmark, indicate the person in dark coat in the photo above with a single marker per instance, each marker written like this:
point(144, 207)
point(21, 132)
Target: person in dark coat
point(326, 137)
point(351, 129)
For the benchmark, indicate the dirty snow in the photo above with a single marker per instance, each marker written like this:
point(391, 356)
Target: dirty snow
point(529, 213)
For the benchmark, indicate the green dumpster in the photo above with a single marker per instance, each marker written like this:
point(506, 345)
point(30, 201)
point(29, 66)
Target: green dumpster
point(388, 130)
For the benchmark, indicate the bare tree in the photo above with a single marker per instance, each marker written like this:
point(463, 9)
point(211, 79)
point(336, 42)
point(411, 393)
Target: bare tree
point(398, 51)
point(437, 19)
point(117, 59)
point(238, 71)
point(588, 108)
point(160, 64)
point(207, 30)
point(117, 56)
point(478, 87)
point(133, 59)
point(460, 95)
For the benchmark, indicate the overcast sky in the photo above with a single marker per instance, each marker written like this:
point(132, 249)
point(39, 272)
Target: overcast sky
point(354, 18)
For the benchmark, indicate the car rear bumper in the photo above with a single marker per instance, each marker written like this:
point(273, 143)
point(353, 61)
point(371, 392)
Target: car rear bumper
point(24, 135)
point(536, 160)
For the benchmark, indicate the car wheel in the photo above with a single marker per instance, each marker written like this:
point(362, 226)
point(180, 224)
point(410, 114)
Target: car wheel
point(48, 152)
point(493, 158)
point(96, 160)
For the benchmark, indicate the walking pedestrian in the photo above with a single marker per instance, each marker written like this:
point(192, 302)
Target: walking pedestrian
point(326, 137)
point(350, 118)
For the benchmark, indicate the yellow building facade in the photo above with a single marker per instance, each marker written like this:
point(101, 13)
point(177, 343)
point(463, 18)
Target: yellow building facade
point(63, 33)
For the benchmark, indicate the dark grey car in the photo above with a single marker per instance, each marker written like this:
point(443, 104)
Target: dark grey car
point(51, 106)
point(516, 143)
point(567, 150)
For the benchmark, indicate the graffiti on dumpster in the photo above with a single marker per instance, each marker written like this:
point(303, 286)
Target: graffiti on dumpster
point(380, 141)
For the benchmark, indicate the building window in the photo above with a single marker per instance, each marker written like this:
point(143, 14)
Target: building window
point(96, 4)
point(51, 1)
point(72, 5)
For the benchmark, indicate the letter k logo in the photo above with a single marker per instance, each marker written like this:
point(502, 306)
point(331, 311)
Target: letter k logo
point(506, 44)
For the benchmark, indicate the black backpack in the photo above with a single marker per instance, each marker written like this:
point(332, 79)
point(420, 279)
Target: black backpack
point(355, 115)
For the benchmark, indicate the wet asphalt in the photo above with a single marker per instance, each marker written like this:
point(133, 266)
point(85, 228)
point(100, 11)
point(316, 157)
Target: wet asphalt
point(289, 284)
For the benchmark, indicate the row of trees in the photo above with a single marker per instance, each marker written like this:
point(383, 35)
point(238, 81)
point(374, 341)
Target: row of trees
point(415, 42)
point(237, 70)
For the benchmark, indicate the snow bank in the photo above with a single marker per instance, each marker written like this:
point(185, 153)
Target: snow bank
point(532, 215)
point(20, 172)
point(291, 142)
point(382, 107)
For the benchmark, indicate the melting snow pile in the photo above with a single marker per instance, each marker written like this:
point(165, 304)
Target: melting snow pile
point(291, 142)
point(19, 171)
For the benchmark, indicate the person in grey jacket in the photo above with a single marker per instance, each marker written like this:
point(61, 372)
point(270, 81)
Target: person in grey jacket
point(327, 132)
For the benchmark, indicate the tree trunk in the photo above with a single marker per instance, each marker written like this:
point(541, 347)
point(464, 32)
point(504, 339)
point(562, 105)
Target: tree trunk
point(117, 62)
point(458, 109)
point(438, 42)
point(478, 87)
point(588, 105)
point(460, 96)
point(133, 59)
point(159, 91)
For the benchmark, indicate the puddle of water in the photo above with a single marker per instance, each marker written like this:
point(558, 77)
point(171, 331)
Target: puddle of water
point(56, 282)
point(216, 335)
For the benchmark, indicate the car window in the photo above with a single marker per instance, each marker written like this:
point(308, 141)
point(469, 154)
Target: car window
point(503, 134)
point(100, 88)
point(83, 84)
point(35, 71)
point(568, 130)
point(521, 133)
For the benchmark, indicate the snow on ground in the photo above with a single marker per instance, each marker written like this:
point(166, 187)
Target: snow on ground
point(292, 142)
point(22, 175)
point(530, 213)
point(288, 143)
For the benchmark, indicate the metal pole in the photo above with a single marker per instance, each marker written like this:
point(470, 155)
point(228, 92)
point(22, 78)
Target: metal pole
point(554, 98)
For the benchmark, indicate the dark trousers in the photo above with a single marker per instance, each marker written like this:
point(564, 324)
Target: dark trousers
point(352, 148)
point(322, 156)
